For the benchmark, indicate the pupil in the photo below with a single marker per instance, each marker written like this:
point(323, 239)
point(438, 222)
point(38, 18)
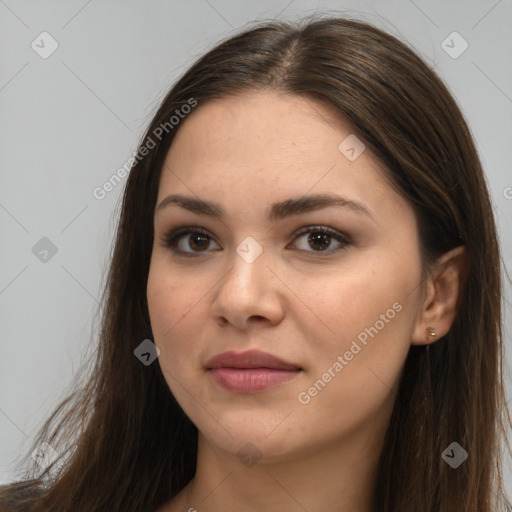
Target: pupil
point(317, 239)
point(203, 242)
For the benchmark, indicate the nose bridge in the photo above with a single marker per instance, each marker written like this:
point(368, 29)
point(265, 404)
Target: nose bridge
point(247, 276)
point(247, 289)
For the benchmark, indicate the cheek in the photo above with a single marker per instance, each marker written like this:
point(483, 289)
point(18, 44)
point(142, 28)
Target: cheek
point(174, 307)
point(353, 302)
point(355, 370)
point(365, 317)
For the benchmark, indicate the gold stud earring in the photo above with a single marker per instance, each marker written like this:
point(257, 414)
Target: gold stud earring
point(430, 334)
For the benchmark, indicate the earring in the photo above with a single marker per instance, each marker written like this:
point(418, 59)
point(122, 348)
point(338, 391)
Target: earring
point(430, 334)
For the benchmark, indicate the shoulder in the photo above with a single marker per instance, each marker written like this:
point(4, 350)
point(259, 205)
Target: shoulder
point(13, 496)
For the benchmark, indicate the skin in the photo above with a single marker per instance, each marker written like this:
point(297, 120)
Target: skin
point(294, 301)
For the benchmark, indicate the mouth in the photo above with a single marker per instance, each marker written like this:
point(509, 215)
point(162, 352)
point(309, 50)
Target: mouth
point(251, 371)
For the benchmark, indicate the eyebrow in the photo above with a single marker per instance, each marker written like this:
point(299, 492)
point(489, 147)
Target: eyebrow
point(276, 211)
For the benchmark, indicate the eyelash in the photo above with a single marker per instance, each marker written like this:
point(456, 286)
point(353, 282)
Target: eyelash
point(171, 239)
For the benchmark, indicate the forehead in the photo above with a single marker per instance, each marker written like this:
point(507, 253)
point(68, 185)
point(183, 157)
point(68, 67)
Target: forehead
point(260, 147)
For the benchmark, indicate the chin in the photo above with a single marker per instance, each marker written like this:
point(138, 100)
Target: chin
point(252, 435)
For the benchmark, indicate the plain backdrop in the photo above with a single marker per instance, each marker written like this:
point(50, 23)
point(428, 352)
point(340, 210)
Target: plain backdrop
point(70, 119)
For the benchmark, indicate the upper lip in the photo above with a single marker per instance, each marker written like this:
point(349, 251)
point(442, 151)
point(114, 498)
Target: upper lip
point(249, 359)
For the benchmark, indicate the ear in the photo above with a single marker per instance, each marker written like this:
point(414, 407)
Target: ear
point(442, 296)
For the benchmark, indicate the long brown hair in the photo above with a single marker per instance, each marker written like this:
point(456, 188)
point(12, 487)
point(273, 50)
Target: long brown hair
point(124, 441)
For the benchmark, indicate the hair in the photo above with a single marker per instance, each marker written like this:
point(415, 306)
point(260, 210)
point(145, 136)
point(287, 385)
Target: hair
point(124, 441)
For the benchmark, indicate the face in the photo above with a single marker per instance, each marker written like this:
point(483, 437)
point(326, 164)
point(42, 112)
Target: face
point(331, 289)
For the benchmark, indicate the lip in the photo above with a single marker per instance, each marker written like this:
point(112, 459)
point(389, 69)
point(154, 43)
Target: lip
point(250, 371)
point(249, 359)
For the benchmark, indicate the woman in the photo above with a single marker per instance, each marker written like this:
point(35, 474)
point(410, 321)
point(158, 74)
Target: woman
point(303, 306)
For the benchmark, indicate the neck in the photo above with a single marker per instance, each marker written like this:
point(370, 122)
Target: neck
point(337, 477)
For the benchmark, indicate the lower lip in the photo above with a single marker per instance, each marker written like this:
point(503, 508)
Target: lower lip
point(251, 380)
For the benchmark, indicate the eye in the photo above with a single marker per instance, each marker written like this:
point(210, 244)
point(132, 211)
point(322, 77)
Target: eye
point(191, 241)
point(197, 239)
point(321, 237)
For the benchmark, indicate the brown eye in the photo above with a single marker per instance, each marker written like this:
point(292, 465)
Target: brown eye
point(188, 241)
point(191, 241)
point(198, 242)
point(320, 239)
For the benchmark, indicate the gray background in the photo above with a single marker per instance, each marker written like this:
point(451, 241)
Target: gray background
point(71, 120)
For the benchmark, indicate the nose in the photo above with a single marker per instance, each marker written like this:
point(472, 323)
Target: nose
point(249, 293)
